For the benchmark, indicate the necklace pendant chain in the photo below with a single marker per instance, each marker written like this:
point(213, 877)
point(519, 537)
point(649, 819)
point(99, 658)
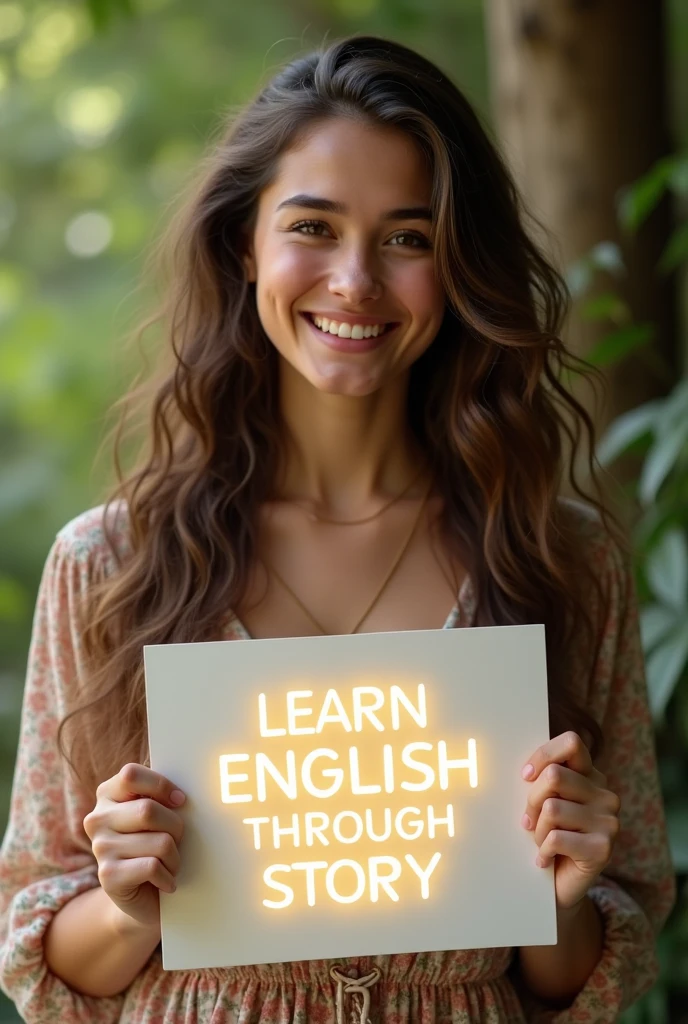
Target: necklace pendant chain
point(366, 519)
point(378, 593)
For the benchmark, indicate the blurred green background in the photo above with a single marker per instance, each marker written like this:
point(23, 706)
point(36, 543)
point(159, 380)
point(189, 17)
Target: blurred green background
point(105, 107)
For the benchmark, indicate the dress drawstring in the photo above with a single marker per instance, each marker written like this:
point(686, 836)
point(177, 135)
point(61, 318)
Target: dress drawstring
point(359, 989)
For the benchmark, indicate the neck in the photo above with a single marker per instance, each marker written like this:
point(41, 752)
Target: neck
point(344, 453)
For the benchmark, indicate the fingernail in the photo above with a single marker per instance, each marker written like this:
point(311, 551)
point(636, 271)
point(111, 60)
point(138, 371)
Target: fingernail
point(526, 822)
point(177, 797)
point(528, 771)
point(540, 862)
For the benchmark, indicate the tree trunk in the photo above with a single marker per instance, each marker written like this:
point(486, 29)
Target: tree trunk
point(579, 98)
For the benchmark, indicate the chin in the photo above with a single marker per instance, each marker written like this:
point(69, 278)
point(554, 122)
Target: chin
point(344, 384)
point(337, 378)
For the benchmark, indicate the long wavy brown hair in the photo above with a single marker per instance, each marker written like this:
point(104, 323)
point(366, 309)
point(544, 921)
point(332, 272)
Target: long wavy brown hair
point(487, 400)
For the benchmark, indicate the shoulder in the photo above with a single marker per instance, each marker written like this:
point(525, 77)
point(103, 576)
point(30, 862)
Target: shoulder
point(97, 537)
point(585, 519)
point(602, 548)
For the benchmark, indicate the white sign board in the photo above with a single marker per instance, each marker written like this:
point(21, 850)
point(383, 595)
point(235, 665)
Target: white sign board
point(351, 795)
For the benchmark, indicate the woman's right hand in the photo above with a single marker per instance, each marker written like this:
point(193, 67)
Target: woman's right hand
point(135, 835)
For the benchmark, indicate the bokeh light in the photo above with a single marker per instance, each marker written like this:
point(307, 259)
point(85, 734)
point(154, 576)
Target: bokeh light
point(12, 21)
point(91, 113)
point(56, 31)
point(88, 234)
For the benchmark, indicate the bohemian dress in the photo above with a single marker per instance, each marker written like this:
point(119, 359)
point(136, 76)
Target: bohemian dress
point(46, 859)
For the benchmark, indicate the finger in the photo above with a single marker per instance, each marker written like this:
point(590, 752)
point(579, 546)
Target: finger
point(558, 781)
point(142, 815)
point(112, 846)
point(606, 801)
point(135, 780)
point(567, 748)
point(563, 814)
point(590, 850)
point(122, 877)
point(598, 778)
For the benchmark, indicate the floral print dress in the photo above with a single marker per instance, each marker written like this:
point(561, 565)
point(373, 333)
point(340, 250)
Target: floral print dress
point(46, 858)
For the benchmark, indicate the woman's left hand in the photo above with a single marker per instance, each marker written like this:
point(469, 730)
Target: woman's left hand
point(574, 816)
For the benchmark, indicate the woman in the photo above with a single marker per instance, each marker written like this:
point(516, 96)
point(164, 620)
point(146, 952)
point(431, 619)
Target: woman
point(358, 430)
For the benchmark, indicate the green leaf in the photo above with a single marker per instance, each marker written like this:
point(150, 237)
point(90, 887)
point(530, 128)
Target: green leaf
point(664, 668)
point(667, 570)
point(676, 250)
point(616, 346)
point(661, 459)
point(677, 826)
point(636, 203)
point(628, 428)
point(606, 307)
point(679, 176)
point(656, 621)
point(675, 404)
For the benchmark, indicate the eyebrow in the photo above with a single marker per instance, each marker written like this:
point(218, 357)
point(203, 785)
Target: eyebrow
point(331, 206)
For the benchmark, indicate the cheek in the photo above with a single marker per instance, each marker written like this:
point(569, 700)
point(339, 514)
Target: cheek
point(285, 274)
point(420, 291)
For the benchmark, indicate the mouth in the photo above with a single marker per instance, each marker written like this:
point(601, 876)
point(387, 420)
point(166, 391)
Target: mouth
point(347, 330)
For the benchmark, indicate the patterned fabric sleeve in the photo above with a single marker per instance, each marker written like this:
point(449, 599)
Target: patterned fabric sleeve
point(45, 859)
point(636, 891)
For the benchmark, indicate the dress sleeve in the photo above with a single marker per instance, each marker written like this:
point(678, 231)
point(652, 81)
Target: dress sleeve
point(637, 889)
point(46, 859)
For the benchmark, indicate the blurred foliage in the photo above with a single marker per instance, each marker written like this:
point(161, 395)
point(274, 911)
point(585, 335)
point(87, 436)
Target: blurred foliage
point(656, 433)
point(104, 11)
point(105, 108)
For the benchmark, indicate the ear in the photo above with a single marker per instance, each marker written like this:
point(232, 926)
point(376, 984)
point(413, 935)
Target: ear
point(249, 261)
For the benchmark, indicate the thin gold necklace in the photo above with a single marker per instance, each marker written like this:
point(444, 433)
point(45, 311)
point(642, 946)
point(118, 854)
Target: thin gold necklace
point(378, 593)
point(366, 519)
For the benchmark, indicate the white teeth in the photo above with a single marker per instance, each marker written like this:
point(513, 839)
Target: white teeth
point(345, 330)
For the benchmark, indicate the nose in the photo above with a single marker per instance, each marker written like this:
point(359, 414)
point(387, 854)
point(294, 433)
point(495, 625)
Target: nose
point(354, 278)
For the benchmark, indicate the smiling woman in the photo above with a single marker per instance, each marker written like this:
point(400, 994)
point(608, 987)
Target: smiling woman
point(358, 427)
point(365, 261)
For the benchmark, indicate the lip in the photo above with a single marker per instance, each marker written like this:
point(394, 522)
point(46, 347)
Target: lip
point(353, 345)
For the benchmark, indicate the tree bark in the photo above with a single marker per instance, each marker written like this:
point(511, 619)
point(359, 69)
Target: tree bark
point(579, 98)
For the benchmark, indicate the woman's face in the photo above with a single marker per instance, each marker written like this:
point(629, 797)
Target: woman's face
point(342, 257)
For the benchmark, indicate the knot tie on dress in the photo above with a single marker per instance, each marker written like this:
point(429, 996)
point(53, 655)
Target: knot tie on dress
point(359, 989)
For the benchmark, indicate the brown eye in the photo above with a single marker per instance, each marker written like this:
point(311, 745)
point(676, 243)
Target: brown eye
point(410, 239)
point(309, 227)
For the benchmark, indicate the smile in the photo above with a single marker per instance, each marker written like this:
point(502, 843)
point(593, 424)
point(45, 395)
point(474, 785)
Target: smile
point(342, 329)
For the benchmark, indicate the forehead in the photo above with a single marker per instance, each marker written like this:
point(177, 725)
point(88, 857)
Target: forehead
point(362, 165)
